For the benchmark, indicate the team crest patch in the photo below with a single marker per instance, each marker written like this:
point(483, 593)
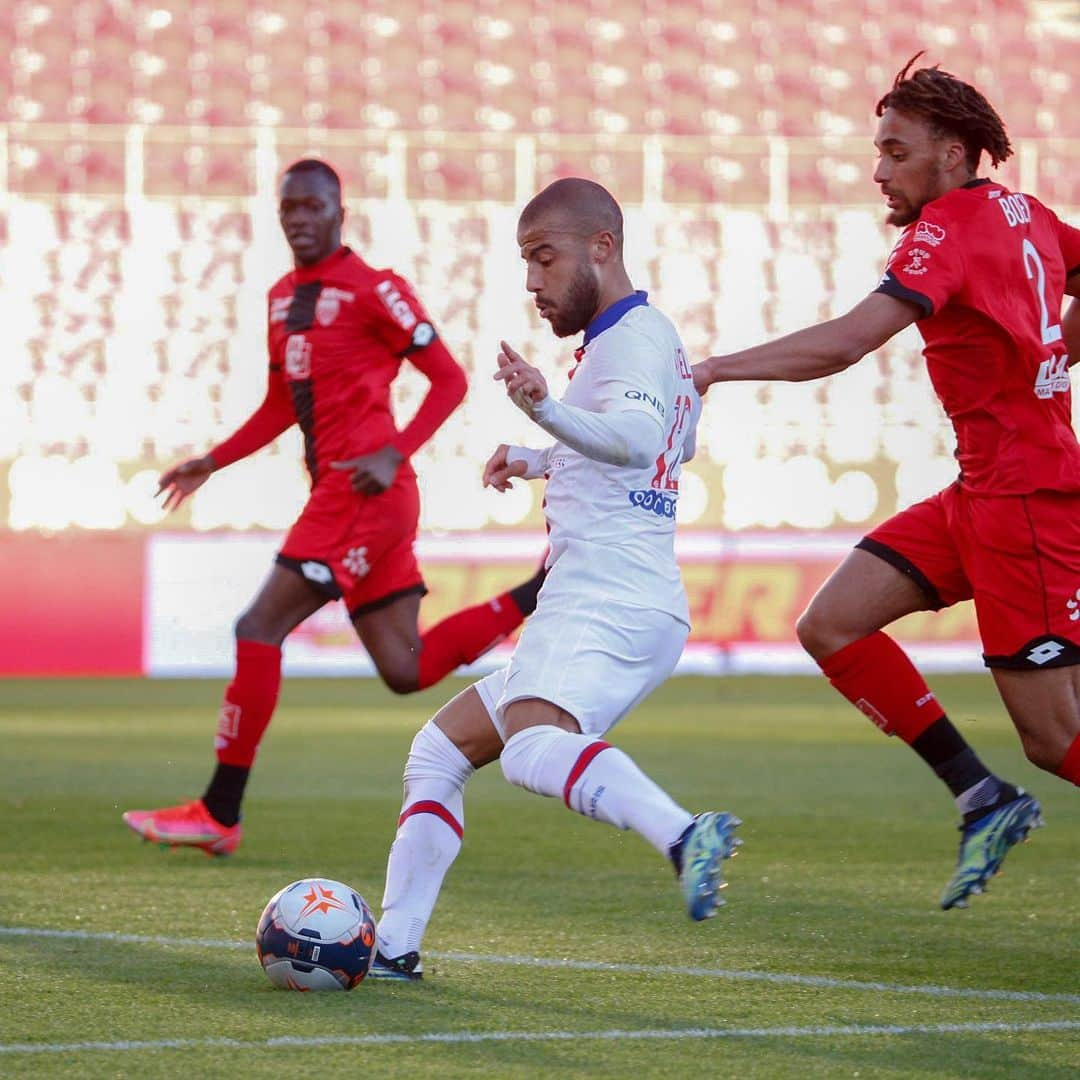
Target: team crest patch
point(229, 721)
point(328, 306)
point(298, 357)
point(917, 265)
point(926, 232)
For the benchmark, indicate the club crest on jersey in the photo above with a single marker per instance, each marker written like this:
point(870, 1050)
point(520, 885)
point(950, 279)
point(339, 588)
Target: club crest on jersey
point(298, 357)
point(329, 304)
point(926, 232)
point(917, 265)
point(396, 304)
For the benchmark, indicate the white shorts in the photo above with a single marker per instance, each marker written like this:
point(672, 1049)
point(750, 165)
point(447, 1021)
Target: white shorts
point(593, 658)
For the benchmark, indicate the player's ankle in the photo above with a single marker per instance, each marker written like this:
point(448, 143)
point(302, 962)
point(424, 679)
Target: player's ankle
point(993, 793)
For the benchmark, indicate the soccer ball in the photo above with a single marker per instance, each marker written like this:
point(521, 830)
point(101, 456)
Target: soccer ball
point(316, 934)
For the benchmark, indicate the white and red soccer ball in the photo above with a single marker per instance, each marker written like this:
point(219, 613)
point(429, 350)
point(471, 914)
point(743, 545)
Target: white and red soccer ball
point(316, 934)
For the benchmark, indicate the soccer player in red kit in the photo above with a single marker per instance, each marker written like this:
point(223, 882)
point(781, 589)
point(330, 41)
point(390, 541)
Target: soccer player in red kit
point(983, 272)
point(338, 333)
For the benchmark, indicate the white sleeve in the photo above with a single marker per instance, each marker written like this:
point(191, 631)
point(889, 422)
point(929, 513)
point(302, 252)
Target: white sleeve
point(628, 437)
point(536, 461)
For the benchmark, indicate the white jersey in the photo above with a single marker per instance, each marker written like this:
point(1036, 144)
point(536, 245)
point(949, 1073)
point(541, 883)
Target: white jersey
point(612, 527)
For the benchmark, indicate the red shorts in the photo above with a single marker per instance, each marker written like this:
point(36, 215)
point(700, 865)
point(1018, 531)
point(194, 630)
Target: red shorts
point(1017, 556)
point(358, 548)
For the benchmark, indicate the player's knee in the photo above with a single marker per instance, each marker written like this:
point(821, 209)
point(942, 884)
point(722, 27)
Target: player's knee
point(1042, 751)
point(251, 626)
point(521, 755)
point(401, 677)
point(816, 634)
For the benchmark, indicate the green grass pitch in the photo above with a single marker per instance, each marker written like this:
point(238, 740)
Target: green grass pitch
point(848, 842)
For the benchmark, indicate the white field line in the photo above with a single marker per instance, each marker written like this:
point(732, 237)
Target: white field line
point(290, 1041)
point(777, 978)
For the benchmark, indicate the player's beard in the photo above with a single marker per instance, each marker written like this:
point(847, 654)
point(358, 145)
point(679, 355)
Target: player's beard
point(910, 210)
point(577, 308)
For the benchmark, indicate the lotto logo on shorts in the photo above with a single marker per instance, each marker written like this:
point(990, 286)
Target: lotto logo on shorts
point(1044, 653)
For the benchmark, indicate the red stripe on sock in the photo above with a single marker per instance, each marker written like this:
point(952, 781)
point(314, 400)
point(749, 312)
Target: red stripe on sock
point(584, 760)
point(1070, 766)
point(427, 806)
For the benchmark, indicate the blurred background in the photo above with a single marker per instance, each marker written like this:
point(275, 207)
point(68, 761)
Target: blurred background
point(142, 143)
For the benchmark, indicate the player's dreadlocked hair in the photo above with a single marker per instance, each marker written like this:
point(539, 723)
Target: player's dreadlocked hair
point(951, 107)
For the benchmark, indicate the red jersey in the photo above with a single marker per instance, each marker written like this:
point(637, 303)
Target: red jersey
point(338, 332)
point(987, 267)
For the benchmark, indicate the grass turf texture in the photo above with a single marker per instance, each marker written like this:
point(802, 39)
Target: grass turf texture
point(849, 840)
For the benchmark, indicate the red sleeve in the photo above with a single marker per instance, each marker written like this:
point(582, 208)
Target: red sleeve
point(398, 317)
point(926, 268)
point(265, 424)
point(448, 386)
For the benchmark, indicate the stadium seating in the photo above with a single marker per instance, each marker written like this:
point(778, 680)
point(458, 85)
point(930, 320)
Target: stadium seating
point(138, 236)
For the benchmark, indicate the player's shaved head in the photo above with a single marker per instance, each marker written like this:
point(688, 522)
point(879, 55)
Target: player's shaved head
point(315, 167)
point(575, 205)
point(571, 238)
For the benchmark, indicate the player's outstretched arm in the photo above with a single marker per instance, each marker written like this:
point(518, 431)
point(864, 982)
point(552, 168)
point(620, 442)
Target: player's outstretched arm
point(816, 351)
point(184, 479)
point(265, 424)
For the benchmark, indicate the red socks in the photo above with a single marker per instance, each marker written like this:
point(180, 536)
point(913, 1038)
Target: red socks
point(463, 637)
point(249, 702)
point(877, 677)
point(1070, 767)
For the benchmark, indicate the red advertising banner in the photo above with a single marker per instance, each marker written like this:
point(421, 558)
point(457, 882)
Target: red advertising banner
point(164, 604)
point(71, 604)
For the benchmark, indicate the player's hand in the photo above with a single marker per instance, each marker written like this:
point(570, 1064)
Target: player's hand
point(372, 473)
point(525, 385)
point(498, 473)
point(182, 480)
point(701, 373)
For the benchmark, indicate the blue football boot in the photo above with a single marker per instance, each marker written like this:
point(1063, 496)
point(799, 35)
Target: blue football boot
point(698, 855)
point(985, 843)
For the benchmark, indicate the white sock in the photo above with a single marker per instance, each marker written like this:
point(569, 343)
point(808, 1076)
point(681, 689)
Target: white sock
point(595, 779)
point(428, 838)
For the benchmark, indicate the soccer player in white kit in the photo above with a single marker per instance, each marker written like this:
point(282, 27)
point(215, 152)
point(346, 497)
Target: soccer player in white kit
point(612, 616)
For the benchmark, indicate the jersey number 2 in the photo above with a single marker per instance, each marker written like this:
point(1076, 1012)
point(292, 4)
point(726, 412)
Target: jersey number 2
point(1051, 332)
